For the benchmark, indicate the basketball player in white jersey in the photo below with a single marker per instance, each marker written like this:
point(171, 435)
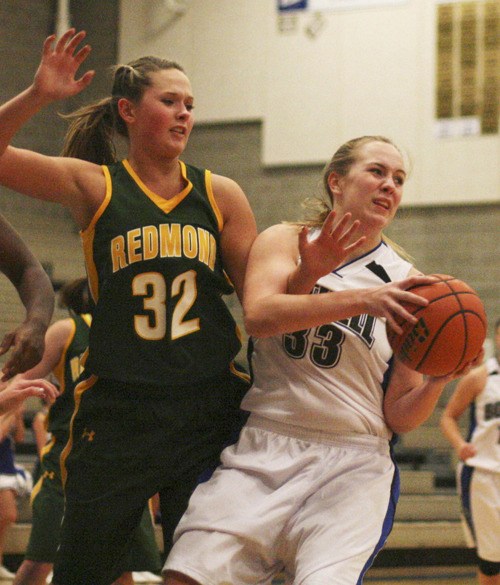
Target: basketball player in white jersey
point(478, 472)
point(310, 488)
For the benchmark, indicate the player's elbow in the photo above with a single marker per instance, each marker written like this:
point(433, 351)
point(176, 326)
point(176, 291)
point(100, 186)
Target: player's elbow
point(403, 429)
point(258, 324)
point(400, 423)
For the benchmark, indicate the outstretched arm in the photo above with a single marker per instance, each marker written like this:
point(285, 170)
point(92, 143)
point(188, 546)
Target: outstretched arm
point(30, 383)
point(54, 80)
point(77, 184)
point(37, 295)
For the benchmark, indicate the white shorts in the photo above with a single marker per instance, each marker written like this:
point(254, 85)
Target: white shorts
point(21, 481)
point(480, 498)
point(317, 509)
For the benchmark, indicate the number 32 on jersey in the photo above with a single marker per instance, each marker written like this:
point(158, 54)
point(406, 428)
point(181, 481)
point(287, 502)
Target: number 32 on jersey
point(153, 288)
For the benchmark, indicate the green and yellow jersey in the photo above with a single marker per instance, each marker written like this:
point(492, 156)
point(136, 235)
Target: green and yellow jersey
point(156, 274)
point(67, 371)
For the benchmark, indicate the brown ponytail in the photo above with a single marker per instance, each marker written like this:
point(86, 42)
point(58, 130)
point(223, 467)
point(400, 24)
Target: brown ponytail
point(90, 134)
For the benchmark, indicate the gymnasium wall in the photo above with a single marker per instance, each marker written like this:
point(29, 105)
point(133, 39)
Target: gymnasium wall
point(273, 101)
point(316, 79)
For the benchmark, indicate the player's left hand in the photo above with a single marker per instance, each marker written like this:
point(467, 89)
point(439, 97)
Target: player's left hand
point(476, 362)
point(16, 392)
point(27, 343)
point(335, 242)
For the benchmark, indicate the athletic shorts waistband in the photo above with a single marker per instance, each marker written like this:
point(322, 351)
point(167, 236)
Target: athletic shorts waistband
point(355, 440)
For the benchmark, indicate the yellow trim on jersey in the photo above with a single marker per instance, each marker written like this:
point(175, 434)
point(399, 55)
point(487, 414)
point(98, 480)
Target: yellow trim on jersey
point(48, 447)
point(58, 370)
point(104, 203)
point(79, 390)
point(213, 202)
point(84, 357)
point(166, 205)
point(87, 236)
point(238, 373)
point(217, 212)
point(87, 317)
point(88, 254)
point(38, 485)
point(36, 489)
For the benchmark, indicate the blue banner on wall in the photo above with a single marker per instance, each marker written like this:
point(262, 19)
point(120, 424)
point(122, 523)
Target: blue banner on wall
point(324, 5)
point(289, 5)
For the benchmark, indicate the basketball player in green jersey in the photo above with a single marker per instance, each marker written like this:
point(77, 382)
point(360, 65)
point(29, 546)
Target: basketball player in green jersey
point(66, 342)
point(163, 242)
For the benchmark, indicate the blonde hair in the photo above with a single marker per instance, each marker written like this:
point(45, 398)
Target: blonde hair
point(92, 127)
point(318, 208)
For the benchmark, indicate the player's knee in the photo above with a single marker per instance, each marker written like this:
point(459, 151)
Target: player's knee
point(489, 568)
point(8, 517)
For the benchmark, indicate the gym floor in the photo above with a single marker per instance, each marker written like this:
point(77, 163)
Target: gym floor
point(463, 575)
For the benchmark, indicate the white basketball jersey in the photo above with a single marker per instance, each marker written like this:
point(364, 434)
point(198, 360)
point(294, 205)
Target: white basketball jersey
point(330, 378)
point(485, 422)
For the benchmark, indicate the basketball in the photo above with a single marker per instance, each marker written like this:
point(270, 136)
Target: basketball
point(450, 330)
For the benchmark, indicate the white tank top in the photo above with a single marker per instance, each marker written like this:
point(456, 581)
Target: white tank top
point(485, 422)
point(330, 378)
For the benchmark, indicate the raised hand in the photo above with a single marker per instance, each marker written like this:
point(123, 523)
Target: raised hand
point(55, 78)
point(467, 450)
point(335, 242)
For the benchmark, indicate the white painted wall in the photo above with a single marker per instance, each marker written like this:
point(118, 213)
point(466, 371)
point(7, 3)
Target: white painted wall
point(368, 70)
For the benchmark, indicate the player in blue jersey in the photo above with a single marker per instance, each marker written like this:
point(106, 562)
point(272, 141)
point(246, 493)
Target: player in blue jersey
point(163, 242)
point(14, 479)
point(478, 472)
point(311, 486)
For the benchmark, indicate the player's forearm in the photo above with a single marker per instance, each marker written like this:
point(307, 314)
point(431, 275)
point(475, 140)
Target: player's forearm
point(37, 295)
point(16, 112)
point(283, 313)
point(451, 431)
point(301, 280)
point(412, 408)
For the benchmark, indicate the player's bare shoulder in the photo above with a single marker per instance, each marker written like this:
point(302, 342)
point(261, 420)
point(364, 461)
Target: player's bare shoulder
point(233, 204)
point(226, 190)
point(283, 232)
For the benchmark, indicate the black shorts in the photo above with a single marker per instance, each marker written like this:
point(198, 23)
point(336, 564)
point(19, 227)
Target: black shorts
point(47, 502)
point(126, 444)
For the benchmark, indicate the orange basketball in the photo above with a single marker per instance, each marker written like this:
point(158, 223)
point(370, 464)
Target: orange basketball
point(450, 330)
